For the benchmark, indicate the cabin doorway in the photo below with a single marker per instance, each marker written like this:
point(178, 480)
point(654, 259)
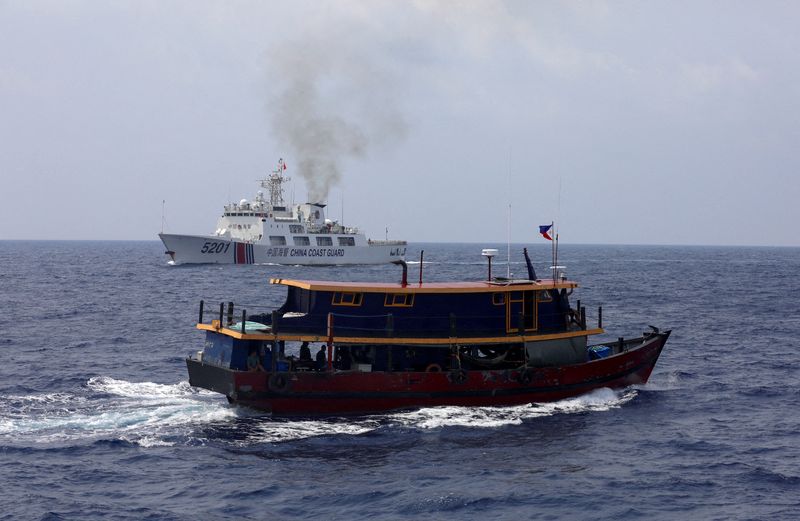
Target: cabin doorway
point(521, 311)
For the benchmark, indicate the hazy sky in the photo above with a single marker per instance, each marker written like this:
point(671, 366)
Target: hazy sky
point(661, 122)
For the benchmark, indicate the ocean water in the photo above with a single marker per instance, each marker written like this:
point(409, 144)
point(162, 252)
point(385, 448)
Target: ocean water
point(97, 420)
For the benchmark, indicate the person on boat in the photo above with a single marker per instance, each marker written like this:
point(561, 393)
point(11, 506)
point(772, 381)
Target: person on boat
point(254, 362)
point(305, 352)
point(341, 358)
point(321, 358)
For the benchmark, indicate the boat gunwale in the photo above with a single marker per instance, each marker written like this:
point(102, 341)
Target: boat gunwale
point(395, 340)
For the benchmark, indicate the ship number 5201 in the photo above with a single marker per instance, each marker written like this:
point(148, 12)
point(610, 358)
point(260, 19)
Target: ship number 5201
point(215, 247)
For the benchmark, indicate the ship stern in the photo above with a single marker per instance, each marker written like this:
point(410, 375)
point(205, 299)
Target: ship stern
point(212, 377)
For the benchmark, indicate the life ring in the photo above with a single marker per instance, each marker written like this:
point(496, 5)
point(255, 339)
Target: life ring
point(526, 377)
point(278, 382)
point(433, 368)
point(458, 377)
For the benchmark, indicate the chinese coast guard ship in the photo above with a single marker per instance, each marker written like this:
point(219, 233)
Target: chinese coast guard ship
point(362, 347)
point(265, 230)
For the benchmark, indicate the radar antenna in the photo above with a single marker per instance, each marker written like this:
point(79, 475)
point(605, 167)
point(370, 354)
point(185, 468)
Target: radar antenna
point(273, 183)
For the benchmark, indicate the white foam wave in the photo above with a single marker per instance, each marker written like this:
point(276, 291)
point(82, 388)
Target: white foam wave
point(34, 400)
point(271, 431)
point(146, 390)
point(489, 417)
point(139, 412)
point(151, 415)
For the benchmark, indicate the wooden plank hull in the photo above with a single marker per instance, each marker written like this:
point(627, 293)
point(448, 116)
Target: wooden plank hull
point(339, 393)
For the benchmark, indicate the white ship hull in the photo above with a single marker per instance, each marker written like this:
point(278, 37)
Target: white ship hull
point(200, 249)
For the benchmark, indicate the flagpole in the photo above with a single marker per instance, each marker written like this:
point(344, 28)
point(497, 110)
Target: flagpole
point(553, 251)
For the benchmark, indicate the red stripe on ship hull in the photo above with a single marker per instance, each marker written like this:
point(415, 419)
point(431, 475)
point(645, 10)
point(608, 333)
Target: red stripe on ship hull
point(241, 256)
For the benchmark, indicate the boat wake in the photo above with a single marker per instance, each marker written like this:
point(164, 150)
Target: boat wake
point(150, 414)
point(276, 430)
point(490, 417)
point(143, 413)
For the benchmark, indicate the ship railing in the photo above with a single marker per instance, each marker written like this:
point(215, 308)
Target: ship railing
point(386, 243)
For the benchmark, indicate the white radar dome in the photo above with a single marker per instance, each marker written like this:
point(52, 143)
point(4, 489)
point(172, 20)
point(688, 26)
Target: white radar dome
point(243, 202)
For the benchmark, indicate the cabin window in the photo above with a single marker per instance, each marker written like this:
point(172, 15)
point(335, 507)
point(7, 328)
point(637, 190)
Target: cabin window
point(296, 228)
point(399, 300)
point(277, 240)
point(498, 299)
point(544, 296)
point(301, 241)
point(324, 241)
point(347, 298)
point(347, 241)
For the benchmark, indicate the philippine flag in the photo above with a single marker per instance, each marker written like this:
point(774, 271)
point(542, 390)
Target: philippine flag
point(545, 231)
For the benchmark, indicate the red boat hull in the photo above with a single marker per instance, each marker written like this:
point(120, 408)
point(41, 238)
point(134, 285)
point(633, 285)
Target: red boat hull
point(337, 393)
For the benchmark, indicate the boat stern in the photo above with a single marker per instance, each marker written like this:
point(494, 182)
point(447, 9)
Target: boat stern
point(211, 377)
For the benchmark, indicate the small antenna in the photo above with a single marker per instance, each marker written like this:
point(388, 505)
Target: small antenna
point(163, 203)
point(508, 244)
point(508, 231)
point(558, 206)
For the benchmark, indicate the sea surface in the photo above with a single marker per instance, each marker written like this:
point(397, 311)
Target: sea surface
point(98, 422)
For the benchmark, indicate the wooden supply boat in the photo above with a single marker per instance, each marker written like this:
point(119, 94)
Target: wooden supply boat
point(389, 346)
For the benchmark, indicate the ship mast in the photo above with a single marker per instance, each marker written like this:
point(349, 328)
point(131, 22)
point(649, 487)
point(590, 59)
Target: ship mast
point(273, 184)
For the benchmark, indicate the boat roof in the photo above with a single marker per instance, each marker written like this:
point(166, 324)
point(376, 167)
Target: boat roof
point(429, 287)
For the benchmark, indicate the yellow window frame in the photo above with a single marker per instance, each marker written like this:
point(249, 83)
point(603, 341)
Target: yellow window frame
point(347, 298)
point(399, 300)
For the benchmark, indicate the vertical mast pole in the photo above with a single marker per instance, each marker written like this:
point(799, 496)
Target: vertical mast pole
point(508, 231)
point(508, 245)
point(556, 270)
point(330, 342)
point(553, 250)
